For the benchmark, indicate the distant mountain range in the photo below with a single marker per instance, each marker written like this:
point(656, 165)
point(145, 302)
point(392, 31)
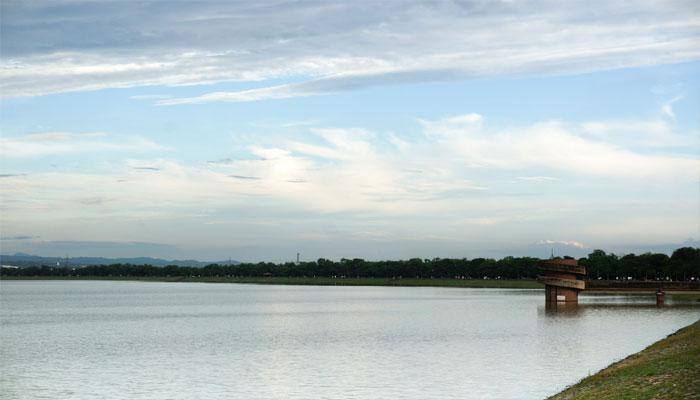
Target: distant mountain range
point(28, 260)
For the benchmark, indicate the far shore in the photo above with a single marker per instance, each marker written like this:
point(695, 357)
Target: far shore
point(319, 281)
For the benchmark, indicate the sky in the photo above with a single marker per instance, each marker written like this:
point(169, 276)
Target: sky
point(377, 130)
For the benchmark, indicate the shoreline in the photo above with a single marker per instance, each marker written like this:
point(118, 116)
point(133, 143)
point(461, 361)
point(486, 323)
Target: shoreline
point(310, 281)
point(667, 369)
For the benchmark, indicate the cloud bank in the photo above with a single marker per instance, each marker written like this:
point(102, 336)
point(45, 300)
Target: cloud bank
point(60, 46)
point(459, 176)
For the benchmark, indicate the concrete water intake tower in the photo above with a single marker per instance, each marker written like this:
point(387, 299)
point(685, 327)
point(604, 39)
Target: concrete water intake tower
point(563, 279)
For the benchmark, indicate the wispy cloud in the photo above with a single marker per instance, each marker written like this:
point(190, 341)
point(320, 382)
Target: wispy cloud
point(654, 132)
point(334, 83)
point(554, 146)
point(538, 179)
point(266, 93)
point(351, 45)
point(667, 107)
point(250, 178)
point(150, 97)
point(49, 143)
point(146, 168)
point(92, 201)
point(226, 160)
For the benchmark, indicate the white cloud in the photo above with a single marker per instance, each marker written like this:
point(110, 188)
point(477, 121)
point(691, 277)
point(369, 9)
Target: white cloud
point(333, 47)
point(538, 179)
point(637, 128)
point(571, 243)
point(267, 93)
point(658, 132)
point(61, 136)
point(454, 126)
point(553, 146)
point(50, 143)
point(667, 107)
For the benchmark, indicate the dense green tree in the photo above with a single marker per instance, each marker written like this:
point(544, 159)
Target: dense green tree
point(684, 264)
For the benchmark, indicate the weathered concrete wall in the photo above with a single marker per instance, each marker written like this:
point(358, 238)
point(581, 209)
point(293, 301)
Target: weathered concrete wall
point(558, 294)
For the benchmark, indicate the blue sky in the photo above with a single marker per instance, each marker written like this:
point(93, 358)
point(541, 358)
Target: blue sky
point(455, 129)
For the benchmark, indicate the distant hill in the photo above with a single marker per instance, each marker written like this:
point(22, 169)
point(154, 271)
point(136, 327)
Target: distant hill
point(28, 260)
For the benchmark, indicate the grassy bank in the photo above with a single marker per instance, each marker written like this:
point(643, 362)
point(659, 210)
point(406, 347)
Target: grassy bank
point(668, 369)
point(464, 283)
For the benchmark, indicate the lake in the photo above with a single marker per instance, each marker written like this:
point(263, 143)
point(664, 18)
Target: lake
point(150, 340)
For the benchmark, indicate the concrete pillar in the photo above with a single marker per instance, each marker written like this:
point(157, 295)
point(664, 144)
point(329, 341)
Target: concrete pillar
point(660, 297)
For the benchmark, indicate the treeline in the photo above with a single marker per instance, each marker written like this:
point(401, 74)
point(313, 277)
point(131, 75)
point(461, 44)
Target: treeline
point(683, 264)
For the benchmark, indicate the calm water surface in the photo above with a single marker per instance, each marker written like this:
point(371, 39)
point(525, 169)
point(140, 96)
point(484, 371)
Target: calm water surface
point(142, 340)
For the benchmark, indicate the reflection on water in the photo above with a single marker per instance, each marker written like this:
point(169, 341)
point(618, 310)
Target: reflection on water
point(137, 340)
point(560, 309)
point(563, 309)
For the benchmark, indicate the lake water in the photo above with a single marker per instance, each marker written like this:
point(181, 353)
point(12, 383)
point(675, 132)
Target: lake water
point(143, 340)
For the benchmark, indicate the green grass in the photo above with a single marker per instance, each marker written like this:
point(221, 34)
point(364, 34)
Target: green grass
point(464, 283)
point(668, 369)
